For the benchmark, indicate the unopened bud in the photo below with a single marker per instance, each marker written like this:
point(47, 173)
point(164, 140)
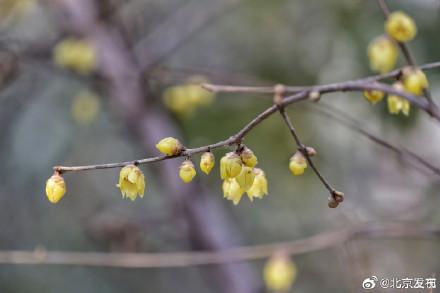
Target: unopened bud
point(279, 90)
point(187, 171)
point(311, 151)
point(55, 188)
point(332, 203)
point(314, 96)
point(169, 146)
point(338, 196)
point(248, 157)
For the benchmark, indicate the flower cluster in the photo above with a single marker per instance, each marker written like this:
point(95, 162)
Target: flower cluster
point(237, 170)
point(383, 53)
point(239, 174)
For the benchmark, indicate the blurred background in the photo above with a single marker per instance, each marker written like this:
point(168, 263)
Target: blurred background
point(124, 97)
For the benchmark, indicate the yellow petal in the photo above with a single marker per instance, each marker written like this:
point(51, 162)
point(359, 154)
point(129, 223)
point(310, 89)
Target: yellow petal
point(230, 165)
point(169, 146)
point(383, 54)
point(55, 188)
point(246, 178)
point(207, 162)
point(297, 164)
point(400, 26)
point(187, 171)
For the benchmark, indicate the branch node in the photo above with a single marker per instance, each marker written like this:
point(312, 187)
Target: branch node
point(279, 91)
point(315, 96)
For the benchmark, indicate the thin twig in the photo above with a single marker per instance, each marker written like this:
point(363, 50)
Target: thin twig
point(303, 150)
point(295, 89)
point(246, 253)
point(349, 122)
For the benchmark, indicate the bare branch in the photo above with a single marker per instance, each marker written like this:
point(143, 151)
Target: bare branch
point(303, 150)
point(237, 138)
point(349, 122)
point(294, 89)
point(240, 254)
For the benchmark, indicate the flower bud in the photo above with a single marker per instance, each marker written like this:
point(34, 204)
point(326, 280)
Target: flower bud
point(383, 54)
point(230, 165)
point(311, 151)
point(55, 188)
point(279, 273)
point(169, 146)
point(76, 54)
point(397, 104)
point(297, 164)
point(131, 182)
point(315, 96)
point(338, 196)
point(414, 81)
point(187, 171)
point(374, 96)
point(259, 187)
point(232, 191)
point(207, 162)
point(400, 26)
point(246, 178)
point(332, 203)
point(186, 98)
point(248, 157)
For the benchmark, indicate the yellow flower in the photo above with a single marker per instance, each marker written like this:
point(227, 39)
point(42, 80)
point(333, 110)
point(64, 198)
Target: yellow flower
point(85, 108)
point(76, 54)
point(169, 146)
point(383, 54)
point(279, 273)
point(374, 96)
point(248, 157)
point(246, 178)
point(176, 100)
point(397, 104)
point(297, 164)
point(184, 99)
point(232, 191)
point(55, 188)
point(230, 165)
point(414, 81)
point(259, 187)
point(131, 182)
point(207, 162)
point(400, 26)
point(187, 171)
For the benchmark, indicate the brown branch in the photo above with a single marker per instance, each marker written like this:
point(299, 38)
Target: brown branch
point(344, 119)
point(294, 89)
point(237, 138)
point(303, 150)
point(317, 242)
